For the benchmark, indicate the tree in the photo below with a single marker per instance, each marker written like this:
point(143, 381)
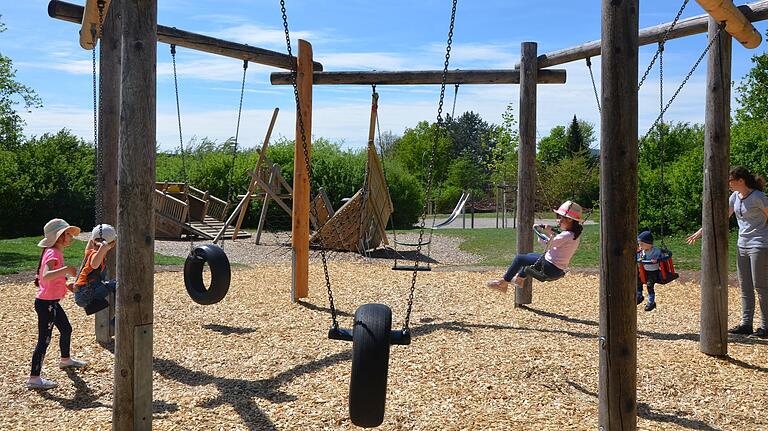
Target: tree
point(574, 141)
point(11, 94)
point(753, 91)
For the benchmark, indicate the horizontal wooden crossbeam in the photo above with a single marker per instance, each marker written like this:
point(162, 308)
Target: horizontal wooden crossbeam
point(420, 77)
point(173, 36)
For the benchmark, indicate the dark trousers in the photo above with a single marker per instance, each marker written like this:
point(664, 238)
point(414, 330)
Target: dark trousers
point(523, 260)
point(651, 277)
point(50, 314)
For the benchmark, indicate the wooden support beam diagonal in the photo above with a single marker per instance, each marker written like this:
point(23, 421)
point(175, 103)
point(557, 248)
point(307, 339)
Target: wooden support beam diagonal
point(170, 35)
point(422, 77)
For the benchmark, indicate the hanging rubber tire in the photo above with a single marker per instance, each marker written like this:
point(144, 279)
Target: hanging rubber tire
point(218, 263)
point(370, 365)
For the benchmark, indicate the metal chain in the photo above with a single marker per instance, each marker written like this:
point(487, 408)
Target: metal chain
point(685, 80)
point(431, 166)
point(594, 86)
point(662, 195)
point(302, 132)
point(237, 140)
point(661, 43)
point(97, 113)
point(181, 139)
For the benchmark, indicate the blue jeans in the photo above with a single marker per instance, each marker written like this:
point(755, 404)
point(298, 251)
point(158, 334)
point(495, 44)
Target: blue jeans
point(523, 260)
point(96, 290)
point(651, 278)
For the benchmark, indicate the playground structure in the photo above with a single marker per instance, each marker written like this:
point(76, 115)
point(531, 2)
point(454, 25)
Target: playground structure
point(618, 46)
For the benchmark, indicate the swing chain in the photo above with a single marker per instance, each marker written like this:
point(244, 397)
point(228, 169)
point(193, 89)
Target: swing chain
point(300, 119)
point(431, 166)
point(661, 44)
point(181, 139)
point(97, 113)
point(716, 37)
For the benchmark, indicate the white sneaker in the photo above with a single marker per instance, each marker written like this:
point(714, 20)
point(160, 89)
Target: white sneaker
point(72, 363)
point(500, 285)
point(43, 384)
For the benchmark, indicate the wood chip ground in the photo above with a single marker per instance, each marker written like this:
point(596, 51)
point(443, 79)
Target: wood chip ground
point(257, 362)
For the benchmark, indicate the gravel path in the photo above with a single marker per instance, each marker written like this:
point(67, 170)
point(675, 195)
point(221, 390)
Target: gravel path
point(275, 247)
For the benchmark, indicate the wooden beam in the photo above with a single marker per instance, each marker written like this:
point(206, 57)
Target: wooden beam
point(714, 213)
point(110, 67)
point(736, 24)
point(757, 11)
point(617, 383)
point(92, 20)
point(422, 77)
point(132, 400)
point(170, 35)
point(301, 191)
point(526, 160)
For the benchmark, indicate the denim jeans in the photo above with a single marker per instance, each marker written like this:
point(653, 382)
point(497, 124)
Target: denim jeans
point(96, 290)
point(651, 278)
point(523, 260)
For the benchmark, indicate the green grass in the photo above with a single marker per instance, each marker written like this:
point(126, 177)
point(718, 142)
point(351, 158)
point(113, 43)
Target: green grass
point(22, 254)
point(497, 247)
point(546, 215)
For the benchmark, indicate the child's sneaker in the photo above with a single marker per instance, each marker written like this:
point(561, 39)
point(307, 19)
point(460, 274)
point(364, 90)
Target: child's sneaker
point(760, 333)
point(500, 285)
point(41, 383)
point(640, 299)
point(741, 330)
point(650, 306)
point(72, 363)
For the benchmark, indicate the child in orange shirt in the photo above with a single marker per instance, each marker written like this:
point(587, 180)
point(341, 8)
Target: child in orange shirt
point(92, 286)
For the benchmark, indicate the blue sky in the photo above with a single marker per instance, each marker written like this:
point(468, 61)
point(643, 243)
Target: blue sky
point(349, 35)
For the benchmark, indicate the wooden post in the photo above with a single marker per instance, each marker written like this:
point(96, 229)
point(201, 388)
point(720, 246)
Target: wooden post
point(252, 187)
point(714, 214)
point(132, 402)
point(301, 192)
point(526, 162)
point(617, 387)
point(110, 62)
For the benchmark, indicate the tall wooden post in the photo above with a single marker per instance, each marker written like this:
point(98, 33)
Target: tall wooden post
point(714, 214)
point(300, 225)
point(617, 388)
point(110, 63)
point(526, 162)
point(132, 402)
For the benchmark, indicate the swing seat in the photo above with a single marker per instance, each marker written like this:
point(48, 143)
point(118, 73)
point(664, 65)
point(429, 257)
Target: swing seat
point(411, 268)
point(539, 274)
point(96, 305)
point(217, 261)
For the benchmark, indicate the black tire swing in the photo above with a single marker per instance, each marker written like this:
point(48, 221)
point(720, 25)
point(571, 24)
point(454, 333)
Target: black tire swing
point(372, 333)
point(211, 254)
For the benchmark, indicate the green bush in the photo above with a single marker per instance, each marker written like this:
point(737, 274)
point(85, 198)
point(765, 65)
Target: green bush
point(46, 177)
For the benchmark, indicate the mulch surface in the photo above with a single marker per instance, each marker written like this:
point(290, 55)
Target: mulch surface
point(255, 361)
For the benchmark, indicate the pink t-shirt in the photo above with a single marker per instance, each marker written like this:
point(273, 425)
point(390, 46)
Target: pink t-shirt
point(562, 249)
point(54, 288)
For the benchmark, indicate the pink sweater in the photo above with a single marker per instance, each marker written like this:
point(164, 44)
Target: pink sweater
point(561, 249)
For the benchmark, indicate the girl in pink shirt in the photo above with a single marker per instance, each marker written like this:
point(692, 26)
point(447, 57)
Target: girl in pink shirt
point(560, 249)
point(51, 282)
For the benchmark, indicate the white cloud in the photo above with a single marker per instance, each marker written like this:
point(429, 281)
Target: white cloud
point(259, 36)
point(363, 61)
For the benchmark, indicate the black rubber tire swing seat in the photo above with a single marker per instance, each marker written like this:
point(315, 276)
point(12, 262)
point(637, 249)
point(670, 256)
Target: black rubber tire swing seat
point(218, 263)
point(370, 364)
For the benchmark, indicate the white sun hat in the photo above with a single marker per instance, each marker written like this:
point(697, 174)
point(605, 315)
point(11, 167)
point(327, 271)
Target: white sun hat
point(54, 229)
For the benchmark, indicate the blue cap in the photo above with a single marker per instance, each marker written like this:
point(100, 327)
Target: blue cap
point(645, 236)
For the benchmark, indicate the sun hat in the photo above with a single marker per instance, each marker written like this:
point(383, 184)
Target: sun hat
point(105, 232)
point(53, 230)
point(645, 236)
point(570, 209)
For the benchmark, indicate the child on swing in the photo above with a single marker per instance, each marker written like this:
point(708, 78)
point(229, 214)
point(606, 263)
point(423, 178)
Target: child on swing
point(649, 256)
point(92, 286)
point(561, 249)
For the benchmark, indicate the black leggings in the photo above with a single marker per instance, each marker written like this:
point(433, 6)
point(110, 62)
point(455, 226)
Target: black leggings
point(50, 314)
